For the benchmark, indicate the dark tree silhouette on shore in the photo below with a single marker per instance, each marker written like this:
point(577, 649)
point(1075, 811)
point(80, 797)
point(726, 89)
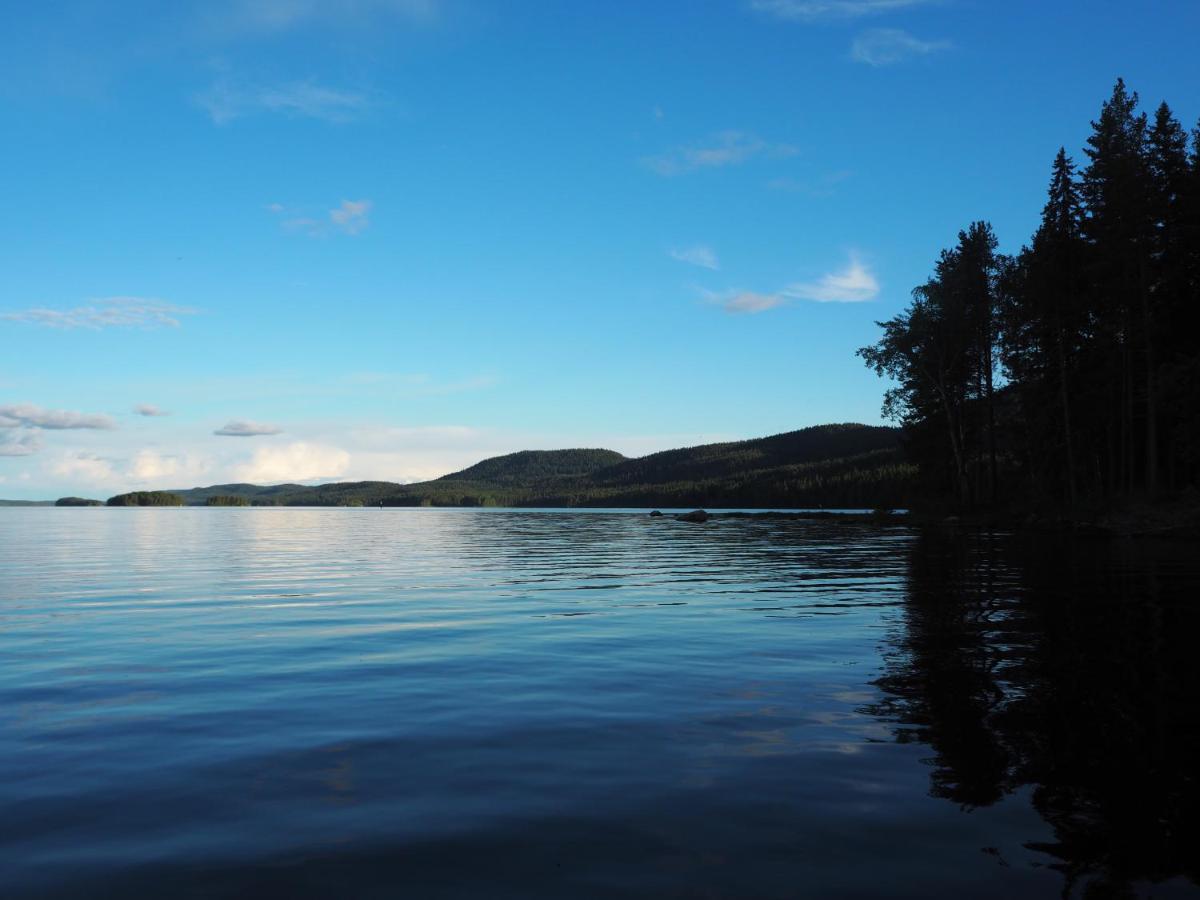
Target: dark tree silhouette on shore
point(1068, 370)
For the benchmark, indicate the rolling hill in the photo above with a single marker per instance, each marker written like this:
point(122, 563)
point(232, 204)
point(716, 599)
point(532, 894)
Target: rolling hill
point(845, 465)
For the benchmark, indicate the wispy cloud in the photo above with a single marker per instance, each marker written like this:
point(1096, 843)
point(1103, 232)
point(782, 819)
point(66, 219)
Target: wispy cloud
point(821, 10)
point(274, 16)
point(853, 284)
point(351, 216)
point(149, 409)
point(244, 428)
point(227, 100)
point(888, 46)
point(417, 384)
point(699, 255)
point(743, 302)
point(29, 416)
point(726, 148)
point(19, 443)
point(820, 186)
point(111, 312)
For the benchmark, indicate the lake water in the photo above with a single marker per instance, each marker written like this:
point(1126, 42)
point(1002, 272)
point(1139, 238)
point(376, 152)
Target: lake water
point(473, 703)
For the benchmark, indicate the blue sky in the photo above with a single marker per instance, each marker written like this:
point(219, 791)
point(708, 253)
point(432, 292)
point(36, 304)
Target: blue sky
point(277, 240)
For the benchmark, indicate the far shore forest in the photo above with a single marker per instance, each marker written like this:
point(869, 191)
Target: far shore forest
point(1063, 377)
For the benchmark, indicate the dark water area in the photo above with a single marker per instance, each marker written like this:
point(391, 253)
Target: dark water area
point(470, 703)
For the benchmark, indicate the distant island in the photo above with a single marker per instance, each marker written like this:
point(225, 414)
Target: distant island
point(146, 498)
point(77, 501)
point(848, 465)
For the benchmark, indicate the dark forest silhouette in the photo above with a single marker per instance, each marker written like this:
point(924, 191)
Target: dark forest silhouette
point(1067, 372)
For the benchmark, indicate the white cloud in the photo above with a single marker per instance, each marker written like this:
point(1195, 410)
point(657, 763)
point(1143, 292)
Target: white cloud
point(152, 466)
point(300, 461)
point(699, 255)
point(244, 428)
point(853, 284)
point(227, 100)
point(820, 10)
point(351, 216)
point(887, 46)
point(743, 302)
point(149, 409)
point(726, 148)
point(29, 416)
point(84, 468)
point(120, 312)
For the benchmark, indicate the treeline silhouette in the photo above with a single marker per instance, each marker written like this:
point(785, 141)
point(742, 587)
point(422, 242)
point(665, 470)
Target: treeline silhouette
point(1068, 371)
point(146, 498)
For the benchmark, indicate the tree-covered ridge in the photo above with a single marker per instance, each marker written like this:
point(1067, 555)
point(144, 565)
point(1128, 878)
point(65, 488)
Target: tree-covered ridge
point(77, 501)
point(531, 465)
point(226, 500)
point(146, 498)
point(198, 496)
point(1068, 371)
point(830, 465)
point(737, 458)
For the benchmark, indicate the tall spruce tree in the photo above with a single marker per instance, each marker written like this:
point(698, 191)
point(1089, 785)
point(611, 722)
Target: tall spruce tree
point(1117, 226)
point(1043, 327)
point(1171, 298)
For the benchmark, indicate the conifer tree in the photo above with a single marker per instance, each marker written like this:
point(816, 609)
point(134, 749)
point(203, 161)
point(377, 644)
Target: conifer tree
point(1116, 191)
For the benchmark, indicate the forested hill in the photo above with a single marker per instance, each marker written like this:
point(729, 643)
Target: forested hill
point(830, 465)
point(707, 461)
point(529, 466)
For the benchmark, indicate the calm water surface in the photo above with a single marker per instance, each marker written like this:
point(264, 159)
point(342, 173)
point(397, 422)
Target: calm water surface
point(460, 703)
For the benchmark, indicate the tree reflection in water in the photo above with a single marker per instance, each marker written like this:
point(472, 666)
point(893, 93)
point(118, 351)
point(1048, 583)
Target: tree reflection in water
point(1067, 666)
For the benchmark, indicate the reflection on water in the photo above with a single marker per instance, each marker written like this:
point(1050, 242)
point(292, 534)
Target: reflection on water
point(1069, 667)
point(462, 703)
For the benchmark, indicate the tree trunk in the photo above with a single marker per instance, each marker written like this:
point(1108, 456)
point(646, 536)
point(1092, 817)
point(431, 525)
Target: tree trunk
point(1151, 401)
point(1064, 396)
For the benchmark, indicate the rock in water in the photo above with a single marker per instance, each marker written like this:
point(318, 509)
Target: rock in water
point(696, 515)
point(657, 512)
